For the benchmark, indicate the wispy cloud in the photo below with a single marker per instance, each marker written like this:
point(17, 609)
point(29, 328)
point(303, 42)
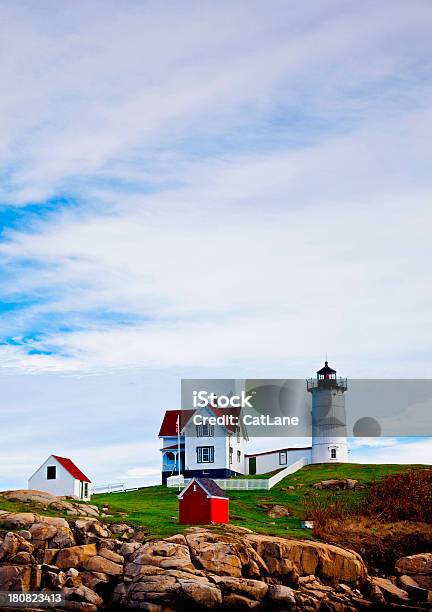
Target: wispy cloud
point(235, 187)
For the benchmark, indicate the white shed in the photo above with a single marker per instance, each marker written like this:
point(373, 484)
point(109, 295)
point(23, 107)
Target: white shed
point(60, 476)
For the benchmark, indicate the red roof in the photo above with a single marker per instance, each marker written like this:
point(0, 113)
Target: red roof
point(168, 427)
point(70, 467)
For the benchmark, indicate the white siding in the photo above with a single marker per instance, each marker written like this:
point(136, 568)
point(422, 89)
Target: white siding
point(270, 461)
point(64, 483)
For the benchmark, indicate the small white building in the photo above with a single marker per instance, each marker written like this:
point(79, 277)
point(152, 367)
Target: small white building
point(60, 476)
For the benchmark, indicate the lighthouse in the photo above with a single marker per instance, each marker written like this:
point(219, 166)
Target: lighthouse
point(329, 435)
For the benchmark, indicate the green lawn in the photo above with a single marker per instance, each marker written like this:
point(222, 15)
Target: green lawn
point(154, 509)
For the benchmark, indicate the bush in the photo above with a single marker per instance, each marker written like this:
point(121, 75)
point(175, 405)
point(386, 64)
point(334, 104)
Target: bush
point(402, 497)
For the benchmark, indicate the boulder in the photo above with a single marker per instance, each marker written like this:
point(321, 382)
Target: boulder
point(415, 564)
point(83, 593)
point(162, 554)
point(200, 594)
point(128, 548)
point(281, 595)
point(111, 555)
point(234, 601)
point(75, 556)
point(20, 578)
point(41, 498)
point(391, 592)
point(415, 589)
point(336, 485)
point(12, 544)
point(17, 520)
point(278, 511)
point(105, 566)
point(289, 557)
point(226, 555)
point(253, 589)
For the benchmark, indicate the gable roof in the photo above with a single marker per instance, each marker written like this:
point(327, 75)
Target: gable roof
point(208, 485)
point(168, 427)
point(70, 467)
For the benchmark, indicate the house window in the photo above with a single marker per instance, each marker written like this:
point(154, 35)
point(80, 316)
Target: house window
point(283, 458)
point(333, 453)
point(205, 454)
point(86, 489)
point(51, 472)
point(230, 454)
point(205, 431)
point(238, 456)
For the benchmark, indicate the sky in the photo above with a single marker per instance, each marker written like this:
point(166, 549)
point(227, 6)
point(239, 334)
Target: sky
point(205, 189)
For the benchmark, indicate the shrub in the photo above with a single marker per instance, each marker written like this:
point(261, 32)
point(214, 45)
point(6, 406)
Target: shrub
point(401, 497)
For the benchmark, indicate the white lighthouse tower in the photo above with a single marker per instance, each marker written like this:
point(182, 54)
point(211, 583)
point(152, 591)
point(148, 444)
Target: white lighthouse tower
point(329, 436)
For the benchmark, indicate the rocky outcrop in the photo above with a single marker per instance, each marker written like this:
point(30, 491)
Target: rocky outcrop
point(98, 565)
point(337, 485)
point(46, 500)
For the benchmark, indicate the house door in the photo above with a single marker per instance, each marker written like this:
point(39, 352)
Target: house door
point(252, 465)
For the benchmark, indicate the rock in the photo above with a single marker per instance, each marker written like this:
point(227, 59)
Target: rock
point(103, 565)
point(54, 520)
point(111, 555)
point(413, 588)
point(41, 498)
point(13, 543)
point(177, 539)
point(15, 578)
point(391, 592)
point(202, 595)
point(162, 554)
point(17, 520)
point(219, 555)
point(128, 548)
point(83, 593)
point(22, 558)
point(41, 533)
point(344, 483)
point(415, 564)
point(239, 602)
point(278, 511)
point(121, 528)
point(280, 594)
point(253, 589)
point(49, 555)
point(288, 557)
point(63, 538)
point(25, 533)
point(75, 556)
point(95, 581)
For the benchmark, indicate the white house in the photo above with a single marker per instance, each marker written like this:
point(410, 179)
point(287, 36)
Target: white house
point(60, 476)
point(202, 450)
point(219, 451)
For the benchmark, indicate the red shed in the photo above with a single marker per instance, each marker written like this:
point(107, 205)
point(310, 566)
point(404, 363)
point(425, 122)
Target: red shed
point(202, 502)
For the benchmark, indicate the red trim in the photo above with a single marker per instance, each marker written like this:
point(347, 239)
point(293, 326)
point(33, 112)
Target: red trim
point(279, 450)
point(70, 467)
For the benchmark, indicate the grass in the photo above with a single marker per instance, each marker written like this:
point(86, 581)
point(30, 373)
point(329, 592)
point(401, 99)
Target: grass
point(154, 509)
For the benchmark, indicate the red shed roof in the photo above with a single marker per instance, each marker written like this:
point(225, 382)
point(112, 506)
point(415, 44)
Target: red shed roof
point(70, 467)
point(209, 486)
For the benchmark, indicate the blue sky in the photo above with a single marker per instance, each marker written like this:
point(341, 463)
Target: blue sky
point(223, 189)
